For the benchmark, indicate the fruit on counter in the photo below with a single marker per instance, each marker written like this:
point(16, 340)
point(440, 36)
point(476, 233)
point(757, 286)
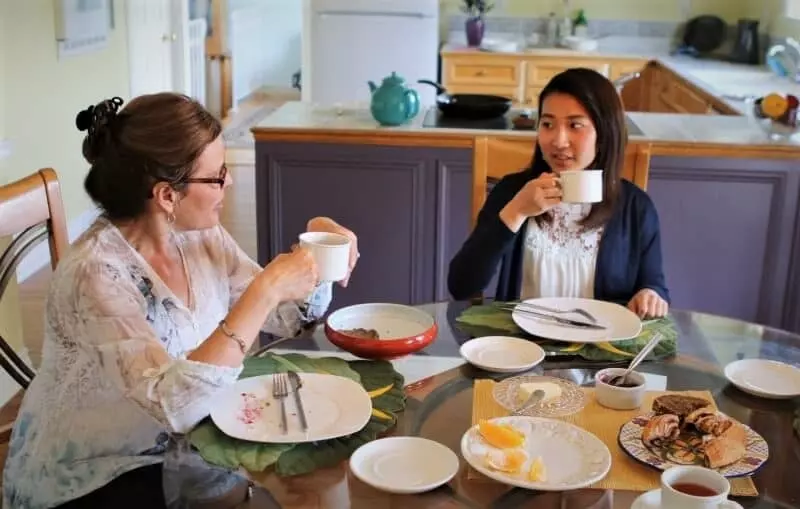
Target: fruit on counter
point(779, 108)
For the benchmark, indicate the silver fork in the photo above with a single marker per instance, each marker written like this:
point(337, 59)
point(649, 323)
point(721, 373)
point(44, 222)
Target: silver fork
point(280, 391)
point(537, 307)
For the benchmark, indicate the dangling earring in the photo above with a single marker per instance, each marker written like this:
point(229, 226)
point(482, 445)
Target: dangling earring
point(170, 218)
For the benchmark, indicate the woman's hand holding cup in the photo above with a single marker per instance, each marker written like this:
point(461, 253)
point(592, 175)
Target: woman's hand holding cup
point(535, 198)
point(292, 276)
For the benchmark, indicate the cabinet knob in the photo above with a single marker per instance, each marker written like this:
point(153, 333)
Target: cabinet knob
point(480, 73)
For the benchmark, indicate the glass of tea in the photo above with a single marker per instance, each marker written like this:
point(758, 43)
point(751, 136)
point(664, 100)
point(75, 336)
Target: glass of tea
point(689, 487)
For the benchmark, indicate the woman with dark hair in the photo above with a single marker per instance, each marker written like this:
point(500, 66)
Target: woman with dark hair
point(608, 251)
point(150, 315)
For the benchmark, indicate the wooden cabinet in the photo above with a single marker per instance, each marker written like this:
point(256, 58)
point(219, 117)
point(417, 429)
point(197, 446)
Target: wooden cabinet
point(483, 74)
point(729, 228)
point(520, 77)
point(667, 92)
point(539, 71)
point(409, 205)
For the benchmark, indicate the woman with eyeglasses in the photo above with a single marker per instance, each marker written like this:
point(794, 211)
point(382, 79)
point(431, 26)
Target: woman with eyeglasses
point(151, 313)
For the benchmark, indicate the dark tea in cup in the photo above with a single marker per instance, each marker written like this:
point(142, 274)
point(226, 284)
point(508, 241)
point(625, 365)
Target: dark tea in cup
point(694, 489)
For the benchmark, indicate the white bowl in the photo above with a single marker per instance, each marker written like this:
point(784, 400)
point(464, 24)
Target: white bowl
point(580, 43)
point(619, 398)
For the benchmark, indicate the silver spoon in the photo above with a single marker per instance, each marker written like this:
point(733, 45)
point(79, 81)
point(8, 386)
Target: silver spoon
point(620, 379)
point(532, 400)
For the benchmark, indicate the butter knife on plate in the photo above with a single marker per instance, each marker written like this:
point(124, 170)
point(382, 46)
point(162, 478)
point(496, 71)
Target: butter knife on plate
point(296, 383)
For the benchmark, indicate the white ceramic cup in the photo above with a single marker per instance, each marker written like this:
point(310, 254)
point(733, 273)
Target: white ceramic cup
point(581, 186)
point(331, 251)
point(674, 499)
point(619, 398)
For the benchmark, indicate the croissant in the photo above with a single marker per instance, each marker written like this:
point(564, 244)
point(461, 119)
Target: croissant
point(660, 430)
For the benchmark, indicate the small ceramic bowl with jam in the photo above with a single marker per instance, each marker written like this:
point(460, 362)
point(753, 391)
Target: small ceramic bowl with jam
point(627, 394)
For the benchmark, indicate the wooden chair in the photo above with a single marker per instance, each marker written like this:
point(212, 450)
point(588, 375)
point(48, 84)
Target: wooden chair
point(496, 157)
point(30, 210)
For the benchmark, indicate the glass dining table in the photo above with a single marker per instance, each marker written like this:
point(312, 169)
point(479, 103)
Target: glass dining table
point(439, 387)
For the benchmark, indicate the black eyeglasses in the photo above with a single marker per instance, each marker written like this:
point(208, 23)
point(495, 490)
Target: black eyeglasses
point(220, 181)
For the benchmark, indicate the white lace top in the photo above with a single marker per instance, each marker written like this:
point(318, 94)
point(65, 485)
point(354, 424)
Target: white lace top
point(560, 257)
point(114, 373)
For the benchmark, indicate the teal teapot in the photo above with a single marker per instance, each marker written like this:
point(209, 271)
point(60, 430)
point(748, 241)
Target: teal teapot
point(393, 103)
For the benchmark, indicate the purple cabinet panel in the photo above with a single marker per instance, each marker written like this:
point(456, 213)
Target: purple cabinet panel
point(728, 227)
point(409, 207)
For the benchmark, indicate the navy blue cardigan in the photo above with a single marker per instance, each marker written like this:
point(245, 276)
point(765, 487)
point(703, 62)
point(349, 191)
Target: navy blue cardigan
point(628, 258)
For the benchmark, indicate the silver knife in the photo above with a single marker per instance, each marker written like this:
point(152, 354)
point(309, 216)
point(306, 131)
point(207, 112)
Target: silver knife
point(559, 319)
point(296, 383)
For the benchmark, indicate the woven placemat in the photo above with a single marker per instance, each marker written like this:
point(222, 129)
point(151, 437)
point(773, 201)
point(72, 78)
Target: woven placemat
point(626, 473)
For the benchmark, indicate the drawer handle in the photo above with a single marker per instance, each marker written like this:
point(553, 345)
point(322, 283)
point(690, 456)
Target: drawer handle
point(480, 73)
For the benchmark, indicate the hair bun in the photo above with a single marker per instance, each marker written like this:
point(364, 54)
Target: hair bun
point(83, 121)
point(95, 117)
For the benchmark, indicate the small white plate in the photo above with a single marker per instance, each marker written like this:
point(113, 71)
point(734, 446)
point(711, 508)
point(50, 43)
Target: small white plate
point(404, 464)
point(335, 406)
point(502, 354)
point(765, 378)
point(573, 458)
point(620, 322)
point(649, 500)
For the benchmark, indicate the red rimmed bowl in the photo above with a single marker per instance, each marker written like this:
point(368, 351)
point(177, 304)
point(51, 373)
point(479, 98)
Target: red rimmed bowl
point(401, 330)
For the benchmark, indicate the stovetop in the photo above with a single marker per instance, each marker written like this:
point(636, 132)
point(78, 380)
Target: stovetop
point(434, 118)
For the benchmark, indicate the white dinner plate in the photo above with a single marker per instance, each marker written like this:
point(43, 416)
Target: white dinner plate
point(620, 322)
point(404, 464)
point(335, 406)
point(765, 378)
point(572, 457)
point(648, 500)
point(502, 354)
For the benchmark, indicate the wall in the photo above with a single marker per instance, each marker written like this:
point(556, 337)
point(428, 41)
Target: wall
point(654, 10)
point(39, 97)
point(43, 94)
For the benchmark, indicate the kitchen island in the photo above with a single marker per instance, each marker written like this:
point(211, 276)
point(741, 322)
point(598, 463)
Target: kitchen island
point(727, 196)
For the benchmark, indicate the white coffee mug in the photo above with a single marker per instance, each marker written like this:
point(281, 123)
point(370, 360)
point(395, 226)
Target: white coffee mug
point(581, 186)
point(331, 251)
point(688, 487)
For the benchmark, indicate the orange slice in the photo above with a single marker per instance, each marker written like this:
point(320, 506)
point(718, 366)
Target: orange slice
point(774, 106)
point(501, 436)
point(508, 461)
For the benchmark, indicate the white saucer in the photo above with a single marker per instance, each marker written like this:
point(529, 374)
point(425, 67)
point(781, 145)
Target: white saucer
point(404, 464)
point(764, 378)
point(502, 354)
point(649, 500)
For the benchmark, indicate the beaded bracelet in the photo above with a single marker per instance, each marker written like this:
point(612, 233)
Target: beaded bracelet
point(239, 340)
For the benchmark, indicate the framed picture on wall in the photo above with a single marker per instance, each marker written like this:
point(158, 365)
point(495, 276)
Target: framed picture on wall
point(81, 25)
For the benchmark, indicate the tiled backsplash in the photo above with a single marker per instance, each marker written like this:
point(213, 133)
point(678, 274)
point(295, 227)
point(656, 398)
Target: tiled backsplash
point(597, 28)
point(515, 25)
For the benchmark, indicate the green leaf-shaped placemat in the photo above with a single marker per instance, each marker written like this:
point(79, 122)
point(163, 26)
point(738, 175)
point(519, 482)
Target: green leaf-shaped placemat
point(379, 378)
point(491, 319)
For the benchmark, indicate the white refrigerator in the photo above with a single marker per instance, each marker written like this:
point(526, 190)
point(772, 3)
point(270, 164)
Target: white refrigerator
point(347, 43)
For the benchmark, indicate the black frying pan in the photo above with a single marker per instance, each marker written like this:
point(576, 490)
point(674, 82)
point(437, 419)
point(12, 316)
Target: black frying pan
point(469, 106)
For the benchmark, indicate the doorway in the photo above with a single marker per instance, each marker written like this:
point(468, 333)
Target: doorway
point(158, 46)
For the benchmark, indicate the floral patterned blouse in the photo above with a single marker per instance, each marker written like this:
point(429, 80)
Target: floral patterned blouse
point(114, 373)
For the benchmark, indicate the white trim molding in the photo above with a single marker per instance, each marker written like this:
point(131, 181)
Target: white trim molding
point(39, 256)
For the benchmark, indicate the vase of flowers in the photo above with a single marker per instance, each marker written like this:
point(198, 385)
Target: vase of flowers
point(475, 24)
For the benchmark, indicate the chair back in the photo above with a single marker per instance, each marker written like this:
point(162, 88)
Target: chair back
point(31, 209)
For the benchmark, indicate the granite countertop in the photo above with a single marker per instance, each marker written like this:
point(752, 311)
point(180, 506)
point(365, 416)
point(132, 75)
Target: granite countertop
point(722, 79)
